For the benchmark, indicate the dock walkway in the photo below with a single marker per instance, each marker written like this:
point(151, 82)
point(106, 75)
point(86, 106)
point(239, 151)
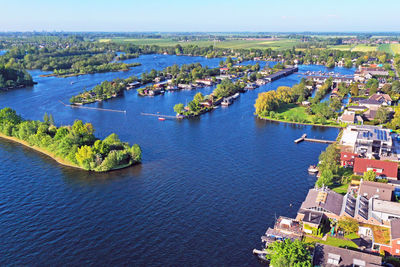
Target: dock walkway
point(304, 138)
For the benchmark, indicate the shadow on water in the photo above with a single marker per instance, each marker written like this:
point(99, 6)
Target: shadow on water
point(78, 177)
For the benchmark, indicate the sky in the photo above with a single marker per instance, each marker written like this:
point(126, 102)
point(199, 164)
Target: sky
point(200, 16)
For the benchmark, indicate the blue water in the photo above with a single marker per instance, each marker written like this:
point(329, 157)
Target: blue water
point(206, 191)
point(2, 52)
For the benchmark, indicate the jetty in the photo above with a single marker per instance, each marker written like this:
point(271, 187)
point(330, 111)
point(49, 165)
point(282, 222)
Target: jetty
point(92, 108)
point(281, 74)
point(304, 138)
point(160, 115)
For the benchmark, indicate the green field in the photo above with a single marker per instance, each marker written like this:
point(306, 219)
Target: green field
point(364, 48)
point(229, 43)
point(341, 47)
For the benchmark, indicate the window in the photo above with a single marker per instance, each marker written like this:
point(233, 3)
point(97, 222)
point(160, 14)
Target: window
point(333, 259)
point(398, 242)
point(358, 263)
point(397, 251)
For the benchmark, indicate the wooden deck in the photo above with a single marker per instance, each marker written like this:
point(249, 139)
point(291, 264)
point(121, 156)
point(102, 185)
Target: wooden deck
point(304, 138)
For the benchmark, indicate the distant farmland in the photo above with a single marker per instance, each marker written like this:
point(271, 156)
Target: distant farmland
point(229, 43)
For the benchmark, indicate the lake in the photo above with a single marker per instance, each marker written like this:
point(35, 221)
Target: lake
point(207, 189)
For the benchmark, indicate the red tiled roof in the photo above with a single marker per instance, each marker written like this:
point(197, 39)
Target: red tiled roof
point(345, 156)
point(383, 168)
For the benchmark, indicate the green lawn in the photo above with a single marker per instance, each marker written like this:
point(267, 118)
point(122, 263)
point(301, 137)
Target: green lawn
point(341, 189)
point(296, 114)
point(332, 241)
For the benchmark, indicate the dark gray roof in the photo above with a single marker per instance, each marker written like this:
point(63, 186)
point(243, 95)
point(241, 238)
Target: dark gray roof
point(395, 228)
point(333, 202)
point(346, 257)
point(312, 216)
point(369, 102)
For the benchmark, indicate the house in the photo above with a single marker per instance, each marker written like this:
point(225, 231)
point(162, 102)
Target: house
point(348, 117)
point(325, 201)
point(357, 108)
point(284, 228)
point(383, 169)
point(383, 210)
point(310, 219)
point(384, 99)
point(325, 255)
point(395, 237)
point(377, 190)
point(369, 142)
point(370, 114)
point(370, 103)
point(347, 159)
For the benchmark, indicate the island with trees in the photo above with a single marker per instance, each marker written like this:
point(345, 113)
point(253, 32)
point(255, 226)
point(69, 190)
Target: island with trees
point(202, 104)
point(74, 146)
point(12, 76)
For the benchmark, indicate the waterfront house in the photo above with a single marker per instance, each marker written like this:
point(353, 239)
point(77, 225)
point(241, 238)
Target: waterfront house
point(383, 169)
point(284, 228)
point(347, 159)
point(325, 255)
point(310, 219)
point(369, 142)
point(324, 200)
point(370, 103)
point(382, 191)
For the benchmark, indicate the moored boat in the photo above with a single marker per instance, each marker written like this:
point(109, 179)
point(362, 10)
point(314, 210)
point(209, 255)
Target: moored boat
point(313, 169)
point(161, 119)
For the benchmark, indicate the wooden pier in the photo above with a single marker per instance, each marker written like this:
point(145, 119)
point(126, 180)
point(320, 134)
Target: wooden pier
point(159, 115)
point(301, 139)
point(304, 138)
point(92, 108)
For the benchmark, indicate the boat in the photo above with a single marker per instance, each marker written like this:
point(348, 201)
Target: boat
point(236, 95)
point(313, 169)
point(161, 119)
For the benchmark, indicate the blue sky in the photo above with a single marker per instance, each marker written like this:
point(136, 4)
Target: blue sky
point(205, 15)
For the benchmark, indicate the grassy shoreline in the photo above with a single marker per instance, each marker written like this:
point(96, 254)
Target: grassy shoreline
point(300, 123)
point(53, 156)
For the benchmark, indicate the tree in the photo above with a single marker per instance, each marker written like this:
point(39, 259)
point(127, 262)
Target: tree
point(289, 253)
point(326, 179)
point(284, 94)
point(354, 89)
point(382, 114)
point(266, 102)
point(179, 108)
point(85, 157)
point(369, 176)
point(348, 225)
point(329, 159)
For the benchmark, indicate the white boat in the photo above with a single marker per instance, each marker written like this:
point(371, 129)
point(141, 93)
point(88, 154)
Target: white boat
point(236, 95)
point(313, 169)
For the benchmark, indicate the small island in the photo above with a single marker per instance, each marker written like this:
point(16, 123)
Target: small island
point(74, 146)
point(12, 76)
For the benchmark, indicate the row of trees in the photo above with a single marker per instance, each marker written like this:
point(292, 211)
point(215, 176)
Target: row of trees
point(75, 144)
point(272, 100)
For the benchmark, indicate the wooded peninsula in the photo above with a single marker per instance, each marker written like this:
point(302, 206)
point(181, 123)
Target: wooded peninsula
point(74, 146)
